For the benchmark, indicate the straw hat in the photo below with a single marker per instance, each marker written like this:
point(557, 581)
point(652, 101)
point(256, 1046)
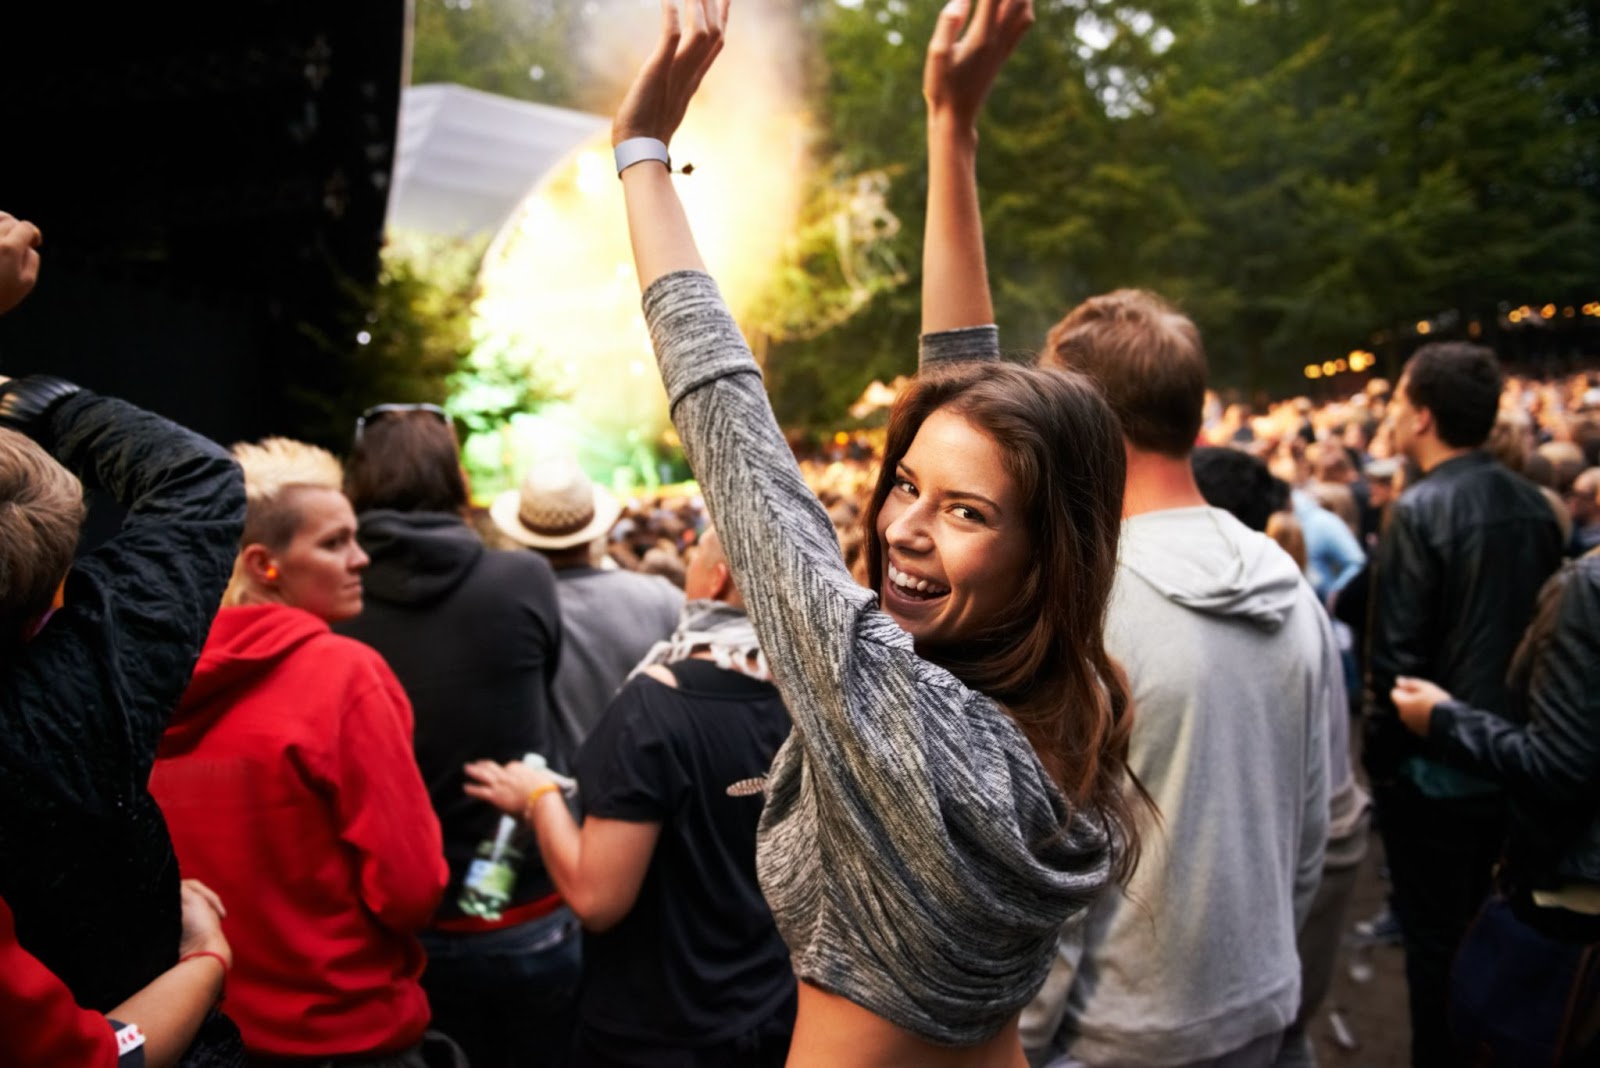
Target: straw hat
point(556, 507)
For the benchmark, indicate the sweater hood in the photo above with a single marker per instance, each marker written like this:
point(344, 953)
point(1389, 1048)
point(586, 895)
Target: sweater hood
point(418, 558)
point(1208, 561)
point(246, 643)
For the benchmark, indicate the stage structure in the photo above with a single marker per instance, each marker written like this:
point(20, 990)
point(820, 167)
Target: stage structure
point(211, 183)
point(466, 159)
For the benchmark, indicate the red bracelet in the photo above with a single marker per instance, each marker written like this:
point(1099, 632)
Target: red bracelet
point(214, 955)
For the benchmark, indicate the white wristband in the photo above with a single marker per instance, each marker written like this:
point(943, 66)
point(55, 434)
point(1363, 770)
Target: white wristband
point(637, 150)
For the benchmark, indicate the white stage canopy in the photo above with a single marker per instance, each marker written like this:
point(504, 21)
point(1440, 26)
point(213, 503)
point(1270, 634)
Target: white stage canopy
point(465, 159)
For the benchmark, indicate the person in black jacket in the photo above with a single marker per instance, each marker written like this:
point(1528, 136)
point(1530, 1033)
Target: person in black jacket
point(1467, 547)
point(1545, 752)
point(473, 635)
point(91, 667)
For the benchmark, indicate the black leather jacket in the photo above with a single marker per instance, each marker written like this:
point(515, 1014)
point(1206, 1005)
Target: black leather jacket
point(1546, 750)
point(1460, 565)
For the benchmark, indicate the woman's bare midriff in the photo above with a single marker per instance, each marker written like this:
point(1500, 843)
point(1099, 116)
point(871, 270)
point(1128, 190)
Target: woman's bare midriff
point(832, 1032)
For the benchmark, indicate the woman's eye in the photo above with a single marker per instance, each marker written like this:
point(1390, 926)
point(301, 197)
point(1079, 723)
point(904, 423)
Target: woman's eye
point(904, 485)
point(970, 514)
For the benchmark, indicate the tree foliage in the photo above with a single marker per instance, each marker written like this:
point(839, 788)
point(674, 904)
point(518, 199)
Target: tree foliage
point(406, 338)
point(1301, 176)
point(510, 47)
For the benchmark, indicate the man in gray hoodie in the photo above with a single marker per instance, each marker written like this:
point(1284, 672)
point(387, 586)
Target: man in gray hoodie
point(1236, 684)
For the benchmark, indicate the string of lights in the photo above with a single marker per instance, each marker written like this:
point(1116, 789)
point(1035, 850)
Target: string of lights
point(1362, 360)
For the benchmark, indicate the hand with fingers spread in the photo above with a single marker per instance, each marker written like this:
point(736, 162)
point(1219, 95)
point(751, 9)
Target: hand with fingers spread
point(19, 260)
point(660, 94)
point(961, 67)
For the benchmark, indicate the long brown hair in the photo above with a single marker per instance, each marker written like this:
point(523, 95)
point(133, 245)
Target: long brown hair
point(1044, 659)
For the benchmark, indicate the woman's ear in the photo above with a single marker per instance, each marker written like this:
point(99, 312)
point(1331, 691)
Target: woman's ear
point(722, 580)
point(260, 565)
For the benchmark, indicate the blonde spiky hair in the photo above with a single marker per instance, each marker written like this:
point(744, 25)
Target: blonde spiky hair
point(273, 465)
point(275, 469)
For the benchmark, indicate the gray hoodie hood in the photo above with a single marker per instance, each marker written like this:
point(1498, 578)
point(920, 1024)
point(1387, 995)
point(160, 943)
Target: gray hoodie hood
point(1205, 559)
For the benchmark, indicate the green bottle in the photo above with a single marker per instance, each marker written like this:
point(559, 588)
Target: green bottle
point(492, 876)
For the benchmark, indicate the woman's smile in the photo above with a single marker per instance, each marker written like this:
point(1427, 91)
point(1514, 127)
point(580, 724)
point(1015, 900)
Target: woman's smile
point(914, 587)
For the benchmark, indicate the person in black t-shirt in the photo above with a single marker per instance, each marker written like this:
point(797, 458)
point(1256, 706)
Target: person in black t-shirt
point(684, 967)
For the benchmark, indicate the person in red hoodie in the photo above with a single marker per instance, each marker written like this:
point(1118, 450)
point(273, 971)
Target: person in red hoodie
point(287, 779)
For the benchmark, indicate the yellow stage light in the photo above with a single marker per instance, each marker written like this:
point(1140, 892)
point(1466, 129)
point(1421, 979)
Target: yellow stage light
point(1548, 311)
point(1424, 327)
point(558, 294)
point(1313, 371)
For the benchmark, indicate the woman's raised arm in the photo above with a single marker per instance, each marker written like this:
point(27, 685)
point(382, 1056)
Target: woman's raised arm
point(957, 313)
point(956, 79)
point(652, 111)
point(779, 540)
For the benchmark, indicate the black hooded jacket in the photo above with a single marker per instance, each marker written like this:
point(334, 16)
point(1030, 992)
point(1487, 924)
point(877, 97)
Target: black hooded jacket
point(85, 860)
point(473, 634)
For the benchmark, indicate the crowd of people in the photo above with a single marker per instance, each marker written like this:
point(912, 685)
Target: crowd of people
point(1024, 741)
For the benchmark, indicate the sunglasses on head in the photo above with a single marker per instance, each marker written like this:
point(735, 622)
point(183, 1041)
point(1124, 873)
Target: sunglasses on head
point(378, 411)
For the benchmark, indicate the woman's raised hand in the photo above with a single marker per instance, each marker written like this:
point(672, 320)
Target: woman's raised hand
point(961, 67)
point(661, 92)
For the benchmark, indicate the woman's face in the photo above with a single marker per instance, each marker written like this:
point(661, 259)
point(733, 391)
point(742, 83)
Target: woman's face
point(953, 533)
point(320, 569)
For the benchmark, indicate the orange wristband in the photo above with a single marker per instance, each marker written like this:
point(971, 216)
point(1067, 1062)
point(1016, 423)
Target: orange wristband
point(534, 795)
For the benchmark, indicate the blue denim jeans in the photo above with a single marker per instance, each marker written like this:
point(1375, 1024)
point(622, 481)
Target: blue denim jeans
point(508, 997)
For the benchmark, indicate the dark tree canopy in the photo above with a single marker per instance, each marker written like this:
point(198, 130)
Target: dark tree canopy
point(1303, 177)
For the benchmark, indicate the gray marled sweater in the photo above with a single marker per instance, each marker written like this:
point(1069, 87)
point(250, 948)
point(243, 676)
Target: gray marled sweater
point(916, 856)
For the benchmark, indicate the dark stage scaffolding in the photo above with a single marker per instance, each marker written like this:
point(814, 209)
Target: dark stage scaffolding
point(211, 183)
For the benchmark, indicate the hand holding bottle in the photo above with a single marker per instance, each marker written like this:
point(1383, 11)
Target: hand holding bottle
point(509, 786)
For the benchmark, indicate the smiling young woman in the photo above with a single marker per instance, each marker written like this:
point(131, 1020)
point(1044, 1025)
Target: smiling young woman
point(997, 514)
point(953, 789)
